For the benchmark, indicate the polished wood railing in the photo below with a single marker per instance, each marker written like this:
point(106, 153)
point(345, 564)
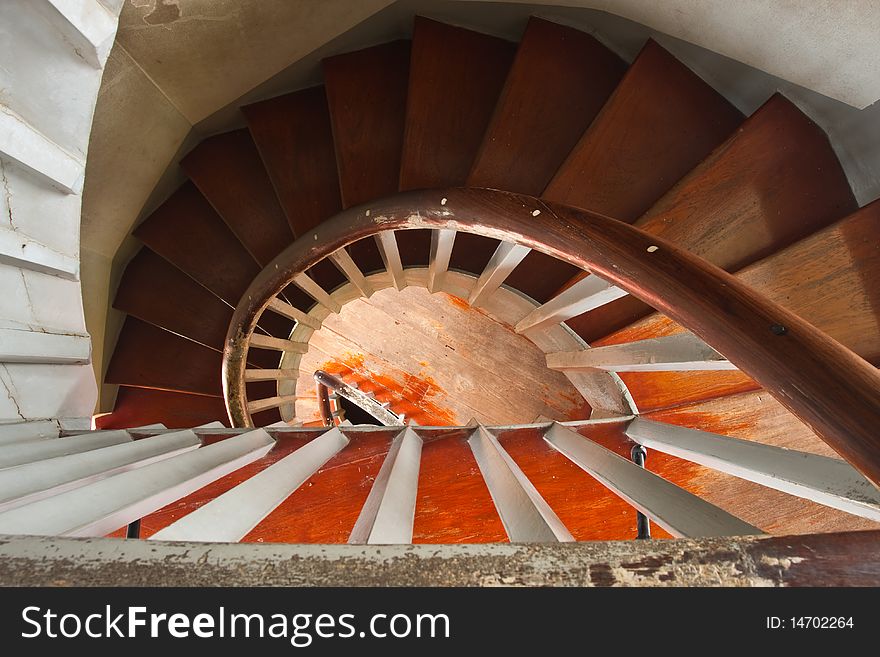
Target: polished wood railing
point(830, 388)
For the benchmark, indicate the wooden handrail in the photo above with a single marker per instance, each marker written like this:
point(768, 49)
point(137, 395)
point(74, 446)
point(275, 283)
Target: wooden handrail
point(830, 388)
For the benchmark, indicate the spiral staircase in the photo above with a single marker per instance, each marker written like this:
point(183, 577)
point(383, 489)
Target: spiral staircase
point(473, 167)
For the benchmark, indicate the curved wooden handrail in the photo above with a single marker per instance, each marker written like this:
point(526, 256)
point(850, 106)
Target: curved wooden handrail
point(830, 388)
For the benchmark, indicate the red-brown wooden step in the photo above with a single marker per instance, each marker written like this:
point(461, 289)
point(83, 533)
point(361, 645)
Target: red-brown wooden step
point(453, 504)
point(366, 94)
point(228, 171)
point(147, 356)
point(455, 78)
point(137, 407)
point(828, 278)
point(154, 290)
point(188, 232)
point(773, 182)
point(538, 120)
point(559, 80)
point(659, 123)
point(293, 135)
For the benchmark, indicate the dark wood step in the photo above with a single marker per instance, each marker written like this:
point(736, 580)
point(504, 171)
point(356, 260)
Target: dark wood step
point(539, 118)
point(176, 410)
point(828, 278)
point(455, 79)
point(559, 80)
point(293, 135)
point(147, 356)
point(773, 182)
point(154, 290)
point(659, 123)
point(366, 94)
point(228, 171)
point(188, 232)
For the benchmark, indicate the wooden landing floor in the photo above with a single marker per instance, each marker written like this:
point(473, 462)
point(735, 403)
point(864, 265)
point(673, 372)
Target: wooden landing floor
point(438, 361)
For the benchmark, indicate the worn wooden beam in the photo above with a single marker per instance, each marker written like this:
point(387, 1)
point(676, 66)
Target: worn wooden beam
point(844, 559)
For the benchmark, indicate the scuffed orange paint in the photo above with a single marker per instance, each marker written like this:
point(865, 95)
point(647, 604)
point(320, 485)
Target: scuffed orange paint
point(414, 396)
point(458, 302)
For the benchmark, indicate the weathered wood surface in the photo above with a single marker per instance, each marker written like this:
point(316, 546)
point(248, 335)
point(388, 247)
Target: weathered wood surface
point(438, 361)
point(188, 232)
point(659, 123)
point(774, 181)
point(847, 559)
point(829, 279)
point(366, 94)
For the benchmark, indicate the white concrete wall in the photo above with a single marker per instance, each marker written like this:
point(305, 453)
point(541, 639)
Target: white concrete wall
point(52, 54)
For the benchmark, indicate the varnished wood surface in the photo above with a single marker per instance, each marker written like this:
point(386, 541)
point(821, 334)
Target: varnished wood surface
point(559, 80)
point(147, 356)
point(824, 383)
point(325, 508)
point(756, 416)
point(154, 290)
point(453, 504)
point(136, 407)
point(776, 180)
point(188, 232)
point(587, 508)
point(366, 93)
point(228, 171)
point(437, 361)
point(455, 78)
point(295, 141)
point(659, 123)
point(828, 279)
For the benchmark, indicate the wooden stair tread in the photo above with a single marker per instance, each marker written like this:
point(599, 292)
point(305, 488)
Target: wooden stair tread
point(295, 141)
point(155, 291)
point(366, 94)
point(455, 79)
point(776, 180)
point(326, 507)
point(228, 171)
point(453, 504)
point(147, 356)
point(773, 182)
point(588, 509)
point(188, 232)
point(828, 278)
point(757, 416)
point(659, 123)
point(176, 410)
point(559, 80)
